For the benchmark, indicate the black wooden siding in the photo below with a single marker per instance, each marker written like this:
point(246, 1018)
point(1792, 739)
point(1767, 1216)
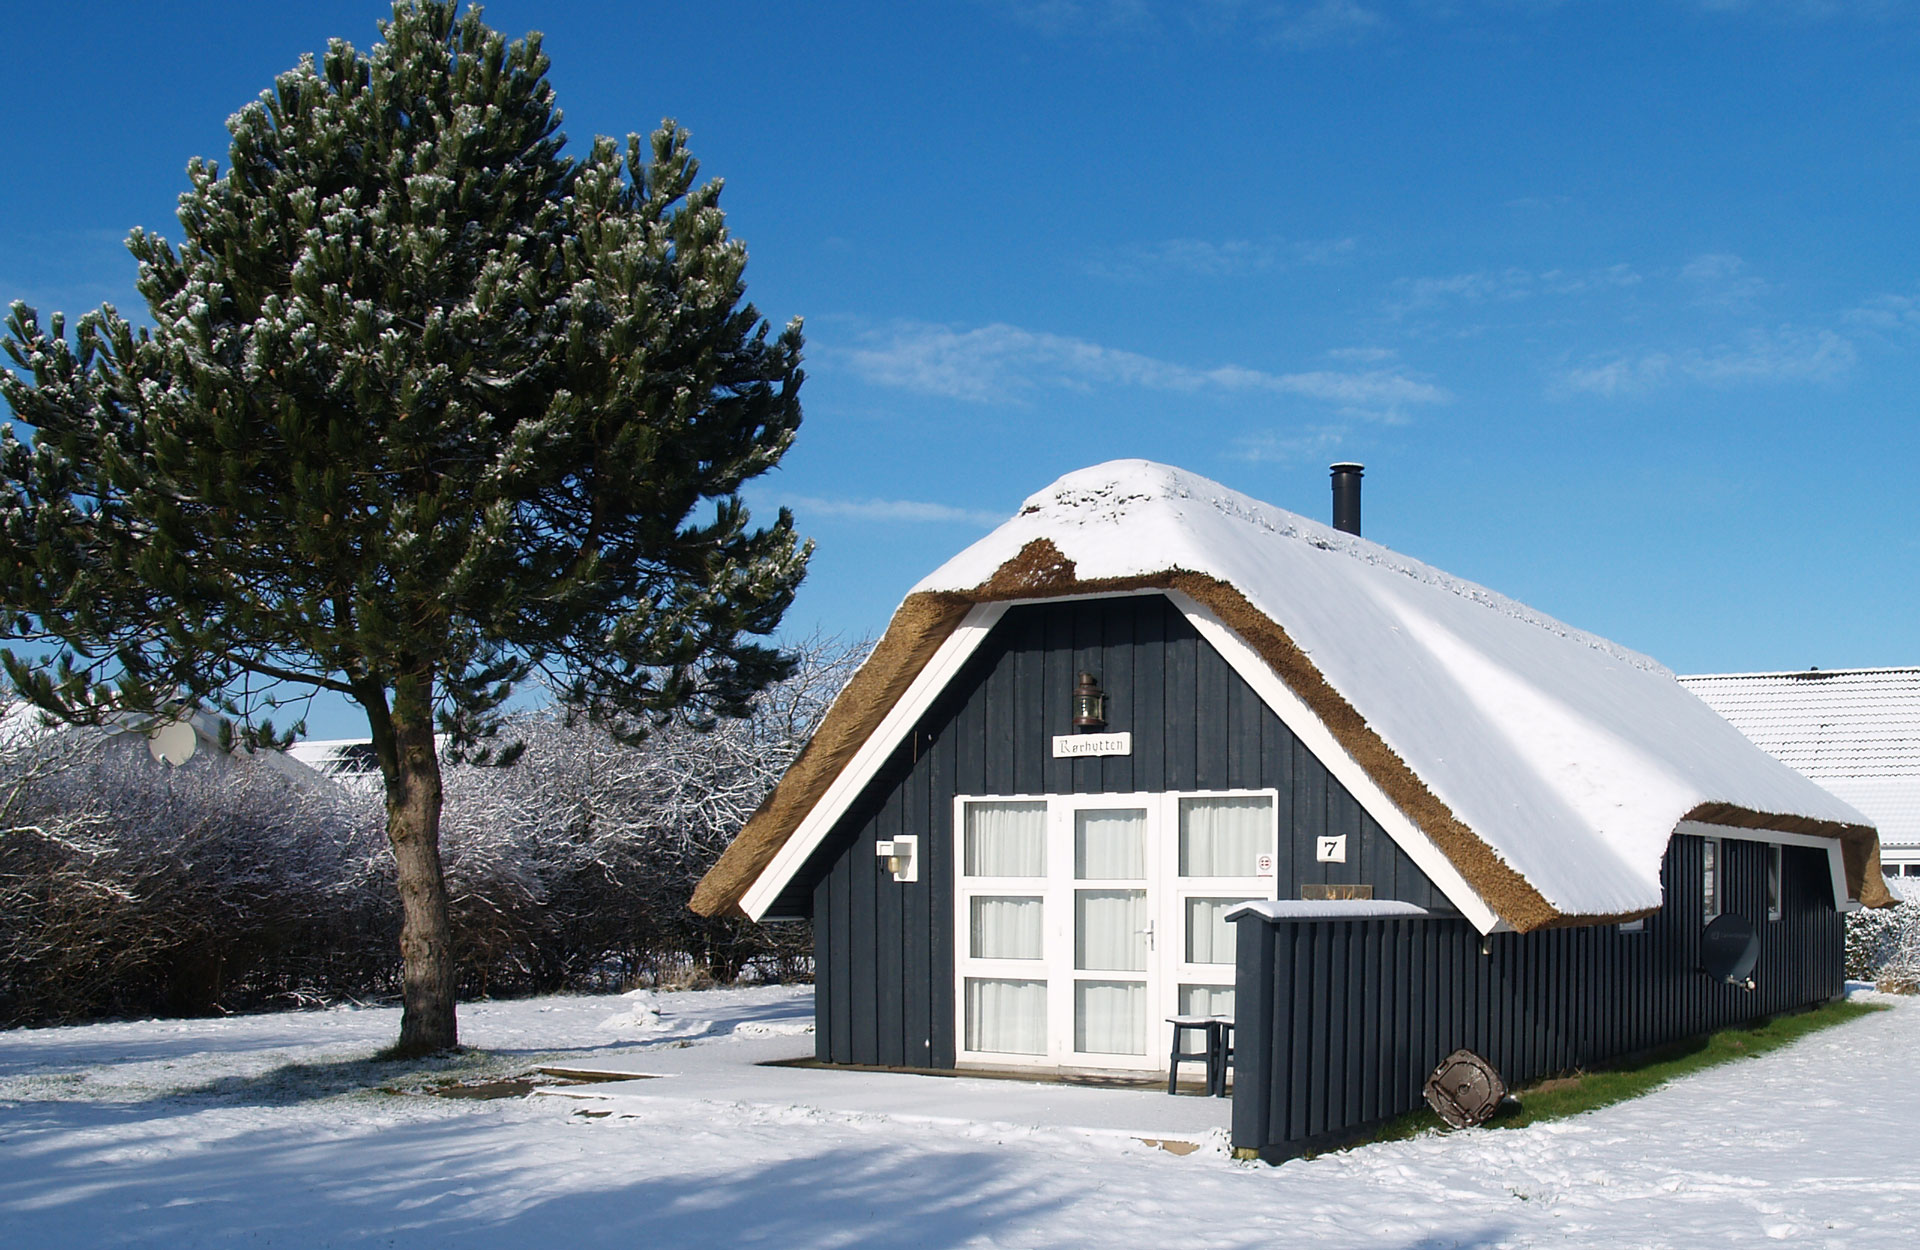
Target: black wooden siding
point(1339, 1023)
point(884, 949)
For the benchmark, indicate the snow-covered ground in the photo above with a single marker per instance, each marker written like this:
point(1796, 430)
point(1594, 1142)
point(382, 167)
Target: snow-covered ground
point(273, 1130)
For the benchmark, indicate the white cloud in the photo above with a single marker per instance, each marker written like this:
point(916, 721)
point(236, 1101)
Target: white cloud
point(1313, 443)
point(1723, 280)
point(1761, 356)
point(1887, 313)
point(1059, 17)
point(1490, 286)
point(1325, 22)
point(1207, 258)
point(1362, 355)
point(1001, 363)
point(905, 510)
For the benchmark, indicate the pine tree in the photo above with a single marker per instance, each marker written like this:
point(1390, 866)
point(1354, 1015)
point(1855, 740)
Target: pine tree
point(428, 410)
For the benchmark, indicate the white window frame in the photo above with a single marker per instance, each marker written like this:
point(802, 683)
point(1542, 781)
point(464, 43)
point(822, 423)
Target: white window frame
point(1167, 895)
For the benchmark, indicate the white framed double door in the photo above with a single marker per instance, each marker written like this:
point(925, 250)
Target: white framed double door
point(1084, 921)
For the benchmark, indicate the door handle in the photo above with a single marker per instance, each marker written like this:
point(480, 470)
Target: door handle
point(1149, 932)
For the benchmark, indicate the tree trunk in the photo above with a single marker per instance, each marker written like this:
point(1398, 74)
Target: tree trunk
point(413, 827)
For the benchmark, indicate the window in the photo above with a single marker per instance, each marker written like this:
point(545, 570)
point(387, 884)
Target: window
point(1710, 878)
point(1083, 921)
point(1773, 881)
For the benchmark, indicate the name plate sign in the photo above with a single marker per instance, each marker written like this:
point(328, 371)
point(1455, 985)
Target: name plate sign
point(1079, 746)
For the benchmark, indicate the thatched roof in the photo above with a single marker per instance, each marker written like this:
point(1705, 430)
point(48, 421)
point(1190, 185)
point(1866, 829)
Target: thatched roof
point(1548, 766)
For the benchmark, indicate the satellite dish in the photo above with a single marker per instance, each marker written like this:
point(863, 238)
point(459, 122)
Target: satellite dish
point(173, 743)
point(1728, 950)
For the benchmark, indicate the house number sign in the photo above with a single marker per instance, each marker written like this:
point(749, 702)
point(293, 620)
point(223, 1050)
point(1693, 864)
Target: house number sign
point(1331, 850)
point(1079, 746)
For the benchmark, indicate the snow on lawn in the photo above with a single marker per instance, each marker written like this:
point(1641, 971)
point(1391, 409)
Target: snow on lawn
point(272, 1130)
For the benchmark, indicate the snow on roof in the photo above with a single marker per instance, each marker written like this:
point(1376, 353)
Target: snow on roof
point(1571, 757)
point(1327, 909)
point(1855, 731)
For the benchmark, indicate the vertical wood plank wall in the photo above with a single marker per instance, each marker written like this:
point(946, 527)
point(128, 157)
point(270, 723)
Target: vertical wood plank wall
point(884, 949)
point(1339, 1022)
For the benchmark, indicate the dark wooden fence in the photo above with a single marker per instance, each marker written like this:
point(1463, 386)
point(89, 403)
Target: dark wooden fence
point(1340, 1021)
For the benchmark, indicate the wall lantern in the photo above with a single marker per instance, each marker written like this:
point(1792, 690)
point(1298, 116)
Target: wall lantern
point(1089, 704)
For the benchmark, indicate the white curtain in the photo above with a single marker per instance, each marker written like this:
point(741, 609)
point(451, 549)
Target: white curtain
point(1006, 840)
point(1224, 837)
point(1007, 1017)
point(1110, 1017)
point(1206, 1000)
point(1210, 938)
point(1007, 928)
point(1110, 845)
point(1109, 930)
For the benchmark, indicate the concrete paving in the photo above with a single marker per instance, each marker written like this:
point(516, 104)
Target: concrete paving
point(749, 1070)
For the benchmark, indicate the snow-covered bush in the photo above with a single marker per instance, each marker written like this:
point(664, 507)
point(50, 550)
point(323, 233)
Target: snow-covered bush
point(127, 886)
point(1883, 944)
point(574, 866)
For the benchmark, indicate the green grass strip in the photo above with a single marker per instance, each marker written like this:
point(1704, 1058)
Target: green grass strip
point(1563, 1096)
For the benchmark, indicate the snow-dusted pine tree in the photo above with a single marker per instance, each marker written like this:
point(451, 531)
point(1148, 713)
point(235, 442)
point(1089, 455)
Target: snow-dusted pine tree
point(427, 409)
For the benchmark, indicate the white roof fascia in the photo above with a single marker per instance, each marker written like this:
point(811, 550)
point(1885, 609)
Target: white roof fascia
point(1316, 737)
point(1842, 900)
point(958, 647)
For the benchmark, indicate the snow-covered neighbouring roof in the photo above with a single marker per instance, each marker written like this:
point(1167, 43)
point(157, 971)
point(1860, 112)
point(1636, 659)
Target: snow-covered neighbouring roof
point(1549, 766)
point(1855, 731)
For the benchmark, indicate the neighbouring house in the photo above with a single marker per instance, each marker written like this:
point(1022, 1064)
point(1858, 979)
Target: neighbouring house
point(1027, 831)
point(1856, 731)
point(350, 761)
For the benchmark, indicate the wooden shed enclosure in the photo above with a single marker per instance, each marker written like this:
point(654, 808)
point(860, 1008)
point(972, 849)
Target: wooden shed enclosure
point(1340, 1021)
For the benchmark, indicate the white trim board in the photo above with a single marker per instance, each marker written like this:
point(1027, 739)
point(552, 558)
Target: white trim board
point(1836, 866)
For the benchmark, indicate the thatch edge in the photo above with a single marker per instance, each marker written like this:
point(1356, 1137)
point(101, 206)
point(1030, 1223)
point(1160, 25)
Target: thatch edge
point(1859, 844)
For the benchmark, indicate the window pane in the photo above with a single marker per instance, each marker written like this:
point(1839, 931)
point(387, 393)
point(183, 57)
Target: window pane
point(1109, 930)
point(1710, 877)
point(1110, 1017)
point(1007, 928)
point(1110, 845)
point(1210, 937)
point(1007, 1017)
point(1773, 882)
point(1224, 837)
point(1006, 840)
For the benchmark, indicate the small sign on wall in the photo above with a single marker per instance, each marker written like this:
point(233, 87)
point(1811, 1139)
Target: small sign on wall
point(1263, 865)
point(1080, 746)
point(1331, 849)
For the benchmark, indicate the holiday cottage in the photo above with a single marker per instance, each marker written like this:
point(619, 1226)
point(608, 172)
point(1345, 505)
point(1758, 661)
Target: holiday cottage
point(1028, 830)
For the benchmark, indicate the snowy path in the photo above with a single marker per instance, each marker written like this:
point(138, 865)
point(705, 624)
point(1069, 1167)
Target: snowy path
point(199, 1134)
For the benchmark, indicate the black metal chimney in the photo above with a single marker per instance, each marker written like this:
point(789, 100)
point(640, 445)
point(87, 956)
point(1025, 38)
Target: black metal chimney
point(1346, 496)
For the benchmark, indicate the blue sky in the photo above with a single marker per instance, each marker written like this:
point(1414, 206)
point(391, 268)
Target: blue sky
point(1618, 302)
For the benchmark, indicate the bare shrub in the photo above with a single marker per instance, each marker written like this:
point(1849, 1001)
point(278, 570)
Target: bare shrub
point(131, 887)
